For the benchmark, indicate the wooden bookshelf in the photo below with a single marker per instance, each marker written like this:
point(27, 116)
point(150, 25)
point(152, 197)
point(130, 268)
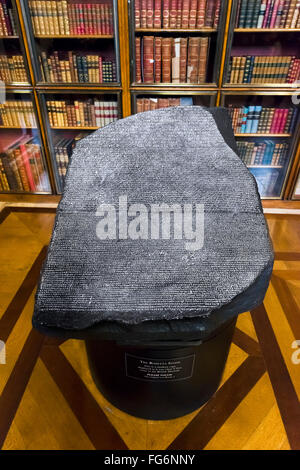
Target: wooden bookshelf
point(120, 46)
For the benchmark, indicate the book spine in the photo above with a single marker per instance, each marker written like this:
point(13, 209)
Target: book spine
point(166, 59)
point(201, 13)
point(157, 59)
point(148, 59)
point(138, 67)
point(185, 14)
point(150, 13)
point(166, 14)
point(173, 14)
point(183, 59)
point(157, 14)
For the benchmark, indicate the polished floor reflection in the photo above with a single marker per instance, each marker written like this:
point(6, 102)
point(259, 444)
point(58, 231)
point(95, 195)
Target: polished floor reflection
point(49, 401)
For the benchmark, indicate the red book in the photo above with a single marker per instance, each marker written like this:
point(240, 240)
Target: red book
point(173, 14)
point(166, 13)
point(201, 13)
point(150, 13)
point(193, 14)
point(148, 59)
point(179, 14)
point(138, 67)
point(285, 113)
point(144, 14)
point(166, 59)
point(157, 14)
point(274, 123)
point(157, 60)
point(185, 14)
point(210, 5)
point(137, 13)
point(217, 14)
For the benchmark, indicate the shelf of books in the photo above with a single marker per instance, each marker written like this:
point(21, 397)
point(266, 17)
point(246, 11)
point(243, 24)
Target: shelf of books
point(73, 43)
point(22, 163)
point(147, 100)
point(176, 43)
point(266, 126)
point(13, 64)
point(263, 48)
point(70, 116)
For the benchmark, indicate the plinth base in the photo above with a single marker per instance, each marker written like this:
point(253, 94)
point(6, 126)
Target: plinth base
point(162, 380)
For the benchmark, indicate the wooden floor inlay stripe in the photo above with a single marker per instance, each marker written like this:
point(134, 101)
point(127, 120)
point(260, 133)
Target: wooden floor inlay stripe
point(84, 406)
point(283, 387)
point(287, 256)
point(215, 413)
point(16, 306)
point(17, 382)
point(245, 342)
point(288, 303)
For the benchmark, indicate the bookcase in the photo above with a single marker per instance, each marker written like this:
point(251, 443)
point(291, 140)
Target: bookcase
point(69, 67)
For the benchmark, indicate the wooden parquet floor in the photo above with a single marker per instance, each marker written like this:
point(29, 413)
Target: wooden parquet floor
point(49, 401)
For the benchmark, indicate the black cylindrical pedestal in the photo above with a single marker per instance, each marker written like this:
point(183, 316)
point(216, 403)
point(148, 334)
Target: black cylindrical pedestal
point(163, 381)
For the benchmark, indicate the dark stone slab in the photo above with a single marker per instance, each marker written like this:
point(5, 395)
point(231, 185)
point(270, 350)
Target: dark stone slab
point(155, 289)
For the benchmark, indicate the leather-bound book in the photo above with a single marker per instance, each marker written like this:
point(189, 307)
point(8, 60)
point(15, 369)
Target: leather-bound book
point(137, 13)
point(193, 14)
point(176, 61)
point(203, 56)
point(138, 67)
point(173, 14)
point(157, 59)
point(201, 5)
point(150, 13)
point(183, 59)
point(144, 14)
point(166, 13)
point(148, 59)
point(157, 14)
point(179, 14)
point(193, 59)
point(185, 14)
point(166, 59)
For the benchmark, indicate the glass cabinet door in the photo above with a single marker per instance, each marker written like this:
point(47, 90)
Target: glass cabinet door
point(266, 127)
point(147, 101)
point(176, 42)
point(13, 66)
point(22, 162)
point(263, 45)
point(73, 42)
point(70, 117)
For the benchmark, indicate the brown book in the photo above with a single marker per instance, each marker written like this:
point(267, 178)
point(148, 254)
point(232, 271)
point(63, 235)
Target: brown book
point(203, 58)
point(140, 105)
point(157, 59)
point(183, 59)
point(146, 104)
point(290, 14)
point(148, 59)
point(166, 59)
point(193, 59)
point(138, 68)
